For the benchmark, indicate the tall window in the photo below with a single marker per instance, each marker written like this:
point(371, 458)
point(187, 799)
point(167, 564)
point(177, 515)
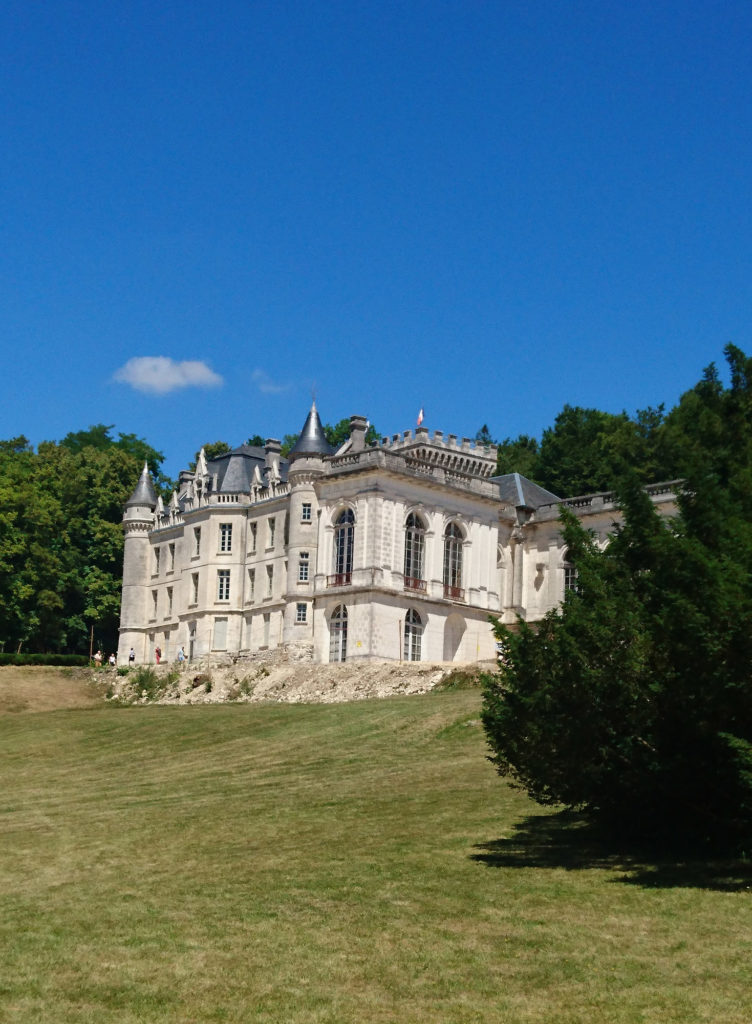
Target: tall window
point(171, 563)
point(196, 541)
point(570, 577)
point(251, 583)
point(269, 580)
point(415, 534)
point(169, 602)
point(254, 531)
point(453, 562)
point(338, 634)
point(157, 552)
point(154, 604)
point(223, 584)
point(344, 536)
point(305, 515)
point(225, 536)
point(272, 531)
point(300, 612)
point(413, 636)
point(194, 588)
point(303, 567)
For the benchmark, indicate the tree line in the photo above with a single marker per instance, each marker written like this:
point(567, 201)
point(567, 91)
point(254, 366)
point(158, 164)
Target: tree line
point(61, 542)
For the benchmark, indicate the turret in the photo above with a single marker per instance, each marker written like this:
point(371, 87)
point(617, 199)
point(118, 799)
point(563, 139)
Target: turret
point(306, 466)
point(138, 520)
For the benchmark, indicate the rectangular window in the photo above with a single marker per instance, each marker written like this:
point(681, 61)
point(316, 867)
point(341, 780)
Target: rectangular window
point(303, 567)
point(219, 642)
point(570, 578)
point(196, 541)
point(156, 561)
point(154, 604)
point(223, 584)
point(251, 583)
point(169, 602)
point(225, 536)
point(269, 580)
point(267, 628)
point(300, 613)
point(194, 588)
point(272, 529)
point(171, 562)
point(254, 531)
point(305, 515)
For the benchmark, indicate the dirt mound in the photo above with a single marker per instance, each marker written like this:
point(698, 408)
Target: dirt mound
point(41, 688)
point(286, 682)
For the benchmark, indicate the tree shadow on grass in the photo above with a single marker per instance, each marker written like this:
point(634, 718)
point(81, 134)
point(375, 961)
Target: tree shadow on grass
point(567, 840)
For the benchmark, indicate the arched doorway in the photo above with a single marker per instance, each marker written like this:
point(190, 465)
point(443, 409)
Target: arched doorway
point(338, 634)
point(413, 636)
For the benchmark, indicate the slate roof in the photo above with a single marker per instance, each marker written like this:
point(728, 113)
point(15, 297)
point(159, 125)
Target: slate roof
point(234, 470)
point(517, 490)
point(312, 440)
point(144, 493)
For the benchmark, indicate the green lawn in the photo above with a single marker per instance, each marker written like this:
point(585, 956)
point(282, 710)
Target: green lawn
point(339, 863)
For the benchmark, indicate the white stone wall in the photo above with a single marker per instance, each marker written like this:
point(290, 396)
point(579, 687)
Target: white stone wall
point(513, 565)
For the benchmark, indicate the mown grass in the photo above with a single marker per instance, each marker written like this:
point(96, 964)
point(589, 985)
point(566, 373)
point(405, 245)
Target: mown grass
point(340, 863)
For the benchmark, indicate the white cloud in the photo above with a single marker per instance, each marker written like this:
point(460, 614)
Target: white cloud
point(266, 385)
point(156, 375)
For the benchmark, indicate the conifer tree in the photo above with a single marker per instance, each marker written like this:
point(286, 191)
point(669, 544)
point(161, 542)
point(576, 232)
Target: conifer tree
point(633, 701)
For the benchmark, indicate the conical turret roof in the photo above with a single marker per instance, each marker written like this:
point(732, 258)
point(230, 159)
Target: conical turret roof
point(312, 440)
point(144, 493)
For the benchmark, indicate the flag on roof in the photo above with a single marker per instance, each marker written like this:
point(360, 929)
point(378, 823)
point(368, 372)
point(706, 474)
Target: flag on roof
point(420, 416)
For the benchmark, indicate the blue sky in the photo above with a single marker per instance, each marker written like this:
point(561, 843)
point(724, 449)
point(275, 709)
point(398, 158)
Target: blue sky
point(484, 209)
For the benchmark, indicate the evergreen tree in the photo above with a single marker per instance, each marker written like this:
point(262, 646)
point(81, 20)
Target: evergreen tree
point(633, 701)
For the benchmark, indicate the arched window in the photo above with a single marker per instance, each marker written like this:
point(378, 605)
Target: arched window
point(453, 563)
point(413, 636)
point(415, 533)
point(344, 535)
point(338, 634)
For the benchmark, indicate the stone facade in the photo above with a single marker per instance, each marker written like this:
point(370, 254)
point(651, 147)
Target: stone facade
point(398, 550)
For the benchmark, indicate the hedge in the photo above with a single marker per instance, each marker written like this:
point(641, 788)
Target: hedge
point(44, 659)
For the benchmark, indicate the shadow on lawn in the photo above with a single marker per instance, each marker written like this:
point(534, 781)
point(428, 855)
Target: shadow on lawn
point(566, 840)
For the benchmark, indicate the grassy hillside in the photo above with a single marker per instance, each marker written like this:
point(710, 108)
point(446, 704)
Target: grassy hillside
point(331, 863)
point(30, 688)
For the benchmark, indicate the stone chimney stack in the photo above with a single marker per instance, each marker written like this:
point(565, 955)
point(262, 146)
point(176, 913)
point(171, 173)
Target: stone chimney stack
point(358, 427)
point(272, 448)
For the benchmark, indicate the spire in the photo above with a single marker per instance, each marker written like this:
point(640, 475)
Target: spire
point(202, 470)
point(144, 493)
point(312, 440)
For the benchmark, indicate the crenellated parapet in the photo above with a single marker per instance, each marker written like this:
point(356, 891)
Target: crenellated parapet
point(458, 456)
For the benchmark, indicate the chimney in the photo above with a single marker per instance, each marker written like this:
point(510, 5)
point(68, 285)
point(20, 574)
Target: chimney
point(358, 427)
point(272, 449)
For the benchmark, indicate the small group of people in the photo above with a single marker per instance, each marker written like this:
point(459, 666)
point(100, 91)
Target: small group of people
point(112, 660)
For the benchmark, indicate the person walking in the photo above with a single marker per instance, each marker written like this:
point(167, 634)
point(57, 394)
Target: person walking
point(131, 658)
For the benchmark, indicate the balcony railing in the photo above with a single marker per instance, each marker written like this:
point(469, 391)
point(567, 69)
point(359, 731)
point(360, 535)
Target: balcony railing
point(339, 579)
point(454, 593)
point(413, 583)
